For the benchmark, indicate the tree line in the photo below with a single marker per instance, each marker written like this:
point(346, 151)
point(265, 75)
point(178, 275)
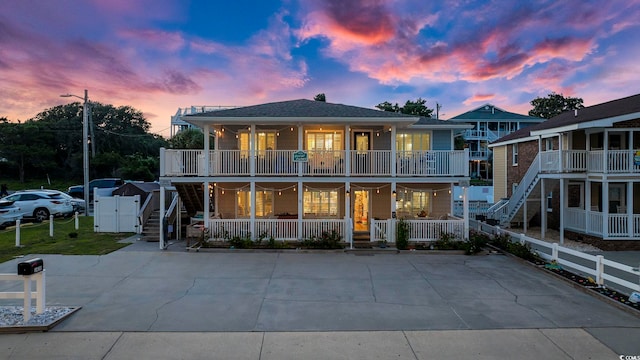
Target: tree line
point(50, 144)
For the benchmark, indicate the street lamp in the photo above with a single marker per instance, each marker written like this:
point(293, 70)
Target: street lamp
point(85, 146)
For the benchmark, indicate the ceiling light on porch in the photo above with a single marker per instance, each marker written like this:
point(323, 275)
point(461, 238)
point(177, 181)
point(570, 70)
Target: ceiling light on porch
point(279, 192)
point(292, 128)
point(222, 191)
point(394, 193)
point(294, 189)
point(435, 194)
point(377, 191)
point(278, 133)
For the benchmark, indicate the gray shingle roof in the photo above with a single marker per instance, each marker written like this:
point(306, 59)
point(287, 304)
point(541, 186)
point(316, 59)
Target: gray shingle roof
point(627, 105)
point(301, 108)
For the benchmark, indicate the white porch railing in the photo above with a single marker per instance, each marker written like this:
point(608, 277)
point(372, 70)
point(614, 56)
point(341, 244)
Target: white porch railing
point(596, 161)
point(279, 229)
point(419, 230)
point(320, 163)
point(619, 226)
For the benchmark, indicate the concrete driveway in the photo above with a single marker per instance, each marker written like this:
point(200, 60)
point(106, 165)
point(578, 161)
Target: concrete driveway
point(142, 289)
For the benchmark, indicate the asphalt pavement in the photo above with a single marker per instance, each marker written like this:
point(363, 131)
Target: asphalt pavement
point(141, 302)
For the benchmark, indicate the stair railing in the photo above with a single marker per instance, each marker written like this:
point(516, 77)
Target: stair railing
point(523, 189)
point(145, 212)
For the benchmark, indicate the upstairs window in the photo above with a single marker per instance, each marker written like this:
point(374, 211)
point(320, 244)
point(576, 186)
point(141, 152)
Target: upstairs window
point(514, 149)
point(413, 142)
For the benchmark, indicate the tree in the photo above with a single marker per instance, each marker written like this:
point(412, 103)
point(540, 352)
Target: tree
point(554, 104)
point(417, 107)
point(320, 97)
point(26, 147)
point(189, 139)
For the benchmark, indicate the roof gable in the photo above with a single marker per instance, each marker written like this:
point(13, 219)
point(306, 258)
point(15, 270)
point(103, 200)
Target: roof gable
point(489, 112)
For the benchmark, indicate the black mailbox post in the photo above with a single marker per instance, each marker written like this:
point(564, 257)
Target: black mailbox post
point(30, 267)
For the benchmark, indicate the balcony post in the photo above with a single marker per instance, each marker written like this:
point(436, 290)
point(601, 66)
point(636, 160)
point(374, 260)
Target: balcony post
point(347, 150)
point(629, 207)
point(562, 205)
point(252, 213)
point(394, 157)
point(252, 152)
point(300, 209)
point(205, 151)
point(605, 207)
point(300, 148)
point(163, 159)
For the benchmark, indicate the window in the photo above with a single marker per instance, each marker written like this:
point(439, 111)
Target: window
point(514, 148)
point(321, 203)
point(412, 202)
point(548, 144)
point(413, 142)
point(265, 140)
point(324, 140)
point(264, 203)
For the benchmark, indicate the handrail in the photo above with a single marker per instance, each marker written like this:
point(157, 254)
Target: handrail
point(145, 212)
point(523, 187)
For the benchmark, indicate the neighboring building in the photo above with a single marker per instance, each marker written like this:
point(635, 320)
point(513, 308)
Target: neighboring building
point(295, 168)
point(578, 172)
point(177, 124)
point(489, 124)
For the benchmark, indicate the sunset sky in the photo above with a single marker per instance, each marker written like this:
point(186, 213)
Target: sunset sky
point(159, 55)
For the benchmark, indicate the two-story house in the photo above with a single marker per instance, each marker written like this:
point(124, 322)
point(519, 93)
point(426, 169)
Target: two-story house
point(578, 171)
point(293, 169)
point(489, 124)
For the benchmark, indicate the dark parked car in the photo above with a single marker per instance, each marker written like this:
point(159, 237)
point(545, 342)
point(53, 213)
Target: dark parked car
point(77, 191)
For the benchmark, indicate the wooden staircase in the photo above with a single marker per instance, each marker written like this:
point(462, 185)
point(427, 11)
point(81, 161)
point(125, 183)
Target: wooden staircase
point(151, 229)
point(192, 197)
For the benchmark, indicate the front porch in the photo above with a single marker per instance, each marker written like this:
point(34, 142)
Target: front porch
point(608, 226)
point(300, 229)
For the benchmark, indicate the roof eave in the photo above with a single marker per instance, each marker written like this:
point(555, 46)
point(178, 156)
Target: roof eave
point(513, 141)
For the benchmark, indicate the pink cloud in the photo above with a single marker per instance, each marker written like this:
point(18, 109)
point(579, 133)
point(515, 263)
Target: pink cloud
point(156, 39)
point(479, 98)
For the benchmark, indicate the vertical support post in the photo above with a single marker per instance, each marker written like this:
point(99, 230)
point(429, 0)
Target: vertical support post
point(543, 209)
point(563, 194)
point(629, 204)
point(554, 252)
point(252, 213)
point(394, 155)
point(465, 209)
point(50, 225)
point(300, 164)
point(347, 214)
point(252, 151)
point(18, 233)
point(207, 203)
point(85, 149)
point(605, 205)
point(300, 208)
point(599, 270)
point(40, 289)
point(76, 221)
point(26, 311)
point(347, 148)
point(162, 211)
point(525, 216)
point(206, 152)
point(163, 169)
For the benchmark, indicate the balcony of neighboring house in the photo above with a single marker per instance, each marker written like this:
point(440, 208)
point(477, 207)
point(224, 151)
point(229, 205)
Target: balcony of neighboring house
point(591, 161)
point(481, 155)
point(364, 163)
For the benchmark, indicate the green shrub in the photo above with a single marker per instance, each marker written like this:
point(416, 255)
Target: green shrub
point(239, 242)
point(448, 242)
point(476, 242)
point(328, 240)
point(402, 235)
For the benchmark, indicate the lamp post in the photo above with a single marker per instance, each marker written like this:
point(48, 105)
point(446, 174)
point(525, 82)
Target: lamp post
point(85, 146)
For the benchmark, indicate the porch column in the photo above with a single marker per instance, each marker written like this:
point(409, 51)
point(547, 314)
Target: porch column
point(252, 214)
point(216, 194)
point(605, 207)
point(300, 148)
point(206, 153)
point(562, 205)
point(252, 152)
point(465, 211)
point(393, 157)
point(300, 209)
point(162, 209)
point(587, 206)
point(348, 229)
point(347, 148)
point(543, 210)
point(629, 207)
point(207, 203)
point(391, 228)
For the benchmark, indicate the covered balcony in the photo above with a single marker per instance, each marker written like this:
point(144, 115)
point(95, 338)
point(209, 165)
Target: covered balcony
point(192, 163)
point(590, 161)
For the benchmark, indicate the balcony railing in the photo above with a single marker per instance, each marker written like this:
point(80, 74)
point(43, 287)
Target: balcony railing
point(319, 163)
point(595, 161)
point(618, 226)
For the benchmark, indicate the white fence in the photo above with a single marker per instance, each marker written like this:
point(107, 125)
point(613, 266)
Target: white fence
point(605, 272)
point(116, 214)
point(279, 229)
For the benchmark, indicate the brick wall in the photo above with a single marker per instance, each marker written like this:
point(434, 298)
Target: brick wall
point(527, 151)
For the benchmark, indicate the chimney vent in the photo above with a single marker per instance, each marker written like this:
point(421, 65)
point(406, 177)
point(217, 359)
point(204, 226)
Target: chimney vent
point(575, 112)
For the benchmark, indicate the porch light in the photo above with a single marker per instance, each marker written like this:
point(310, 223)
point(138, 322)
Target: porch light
point(377, 191)
point(394, 193)
point(279, 192)
point(294, 189)
point(435, 194)
point(347, 192)
point(222, 191)
point(292, 128)
point(278, 133)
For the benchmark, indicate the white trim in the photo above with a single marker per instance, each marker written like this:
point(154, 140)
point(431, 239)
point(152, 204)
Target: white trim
point(509, 142)
point(606, 122)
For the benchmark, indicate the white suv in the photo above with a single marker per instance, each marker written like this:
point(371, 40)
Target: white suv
point(40, 204)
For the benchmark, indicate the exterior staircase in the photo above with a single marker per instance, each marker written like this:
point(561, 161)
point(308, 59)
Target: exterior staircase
point(362, 240)
point(192, 197)
point(151, 228)
point(528, 184)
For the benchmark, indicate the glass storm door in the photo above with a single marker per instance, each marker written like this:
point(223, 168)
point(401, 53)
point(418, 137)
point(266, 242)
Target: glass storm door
point(361, 205)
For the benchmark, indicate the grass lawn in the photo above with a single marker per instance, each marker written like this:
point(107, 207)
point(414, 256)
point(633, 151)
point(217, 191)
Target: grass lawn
point(35, 239)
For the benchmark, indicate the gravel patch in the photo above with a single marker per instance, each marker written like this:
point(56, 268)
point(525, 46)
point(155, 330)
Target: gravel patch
point(11, 317)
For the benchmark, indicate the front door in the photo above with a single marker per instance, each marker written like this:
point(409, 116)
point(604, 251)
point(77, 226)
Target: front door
point(361, 205)
point(361, 143)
